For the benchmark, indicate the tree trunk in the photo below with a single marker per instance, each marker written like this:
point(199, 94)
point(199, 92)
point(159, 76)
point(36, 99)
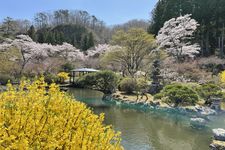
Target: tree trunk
point(207, 43)
point(222, 42)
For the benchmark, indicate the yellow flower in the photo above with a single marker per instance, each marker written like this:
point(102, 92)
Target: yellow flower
point(222, 76)
point(63, 76)
point(37, 119)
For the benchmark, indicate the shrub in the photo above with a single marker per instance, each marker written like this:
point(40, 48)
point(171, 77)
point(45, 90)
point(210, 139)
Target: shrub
point(184, 72)
point(142, 83)
point(4, 79)
point(63, 76)
point(128, 85)
point(178, 95)
point(40, 119)
point(67, 67)
point(158, 96)
point(29, 75)
point(222, 77)
point(209, 90)
point(105, 81)
point(87, 81)
point(212, 64)
point(51, 78)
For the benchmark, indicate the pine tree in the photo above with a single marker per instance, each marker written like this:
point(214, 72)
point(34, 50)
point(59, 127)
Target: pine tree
point(31, 32)
point(48, 38)
point(41, 38)
point(90, 42)
point(156, 78)
point(9, 27)
point(84, 43)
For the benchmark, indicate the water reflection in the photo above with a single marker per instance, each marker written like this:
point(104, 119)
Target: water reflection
point(144, 129)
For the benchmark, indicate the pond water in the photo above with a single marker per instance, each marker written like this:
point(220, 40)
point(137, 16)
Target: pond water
point(148, 129)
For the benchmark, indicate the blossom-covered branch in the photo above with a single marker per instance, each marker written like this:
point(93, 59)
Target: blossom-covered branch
point(175, 37)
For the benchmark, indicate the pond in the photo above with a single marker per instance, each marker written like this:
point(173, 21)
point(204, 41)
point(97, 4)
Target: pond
point(148, 129)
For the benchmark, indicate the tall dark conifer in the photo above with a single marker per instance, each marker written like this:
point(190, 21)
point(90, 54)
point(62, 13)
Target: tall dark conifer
point(32, 33)
point(90, 42)
point(84, 43)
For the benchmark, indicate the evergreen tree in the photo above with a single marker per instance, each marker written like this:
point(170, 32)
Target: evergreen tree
point(84, 43)
point(50, 38)
point(156, 78)
point(90, 42)
point(41, 38)
point(76, 35)
point(31, 32)
point(9, 27)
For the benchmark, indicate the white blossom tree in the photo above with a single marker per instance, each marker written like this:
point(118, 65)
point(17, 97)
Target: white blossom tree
point(101, 49)
point(176, 37)
point(31, 51)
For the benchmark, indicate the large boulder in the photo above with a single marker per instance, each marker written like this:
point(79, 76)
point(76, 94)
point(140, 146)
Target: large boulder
point(217, 145)
point(205, 111)
point(219, 134)
point(198, 122)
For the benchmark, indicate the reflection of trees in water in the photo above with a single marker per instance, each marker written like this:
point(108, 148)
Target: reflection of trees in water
point(157, 130)
point(171, 134)
point(151, 129)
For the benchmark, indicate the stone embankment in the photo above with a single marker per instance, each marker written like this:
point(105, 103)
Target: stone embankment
point(219, 139)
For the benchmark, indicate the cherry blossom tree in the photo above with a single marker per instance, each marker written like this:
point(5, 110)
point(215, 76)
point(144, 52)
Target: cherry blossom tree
point(39, 58)
point(101, 49)
point(31, 51)
point(176, 37)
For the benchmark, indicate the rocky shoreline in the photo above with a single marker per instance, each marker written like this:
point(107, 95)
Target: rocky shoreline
point(200, 115)
point(219, 139)
point(200, 111)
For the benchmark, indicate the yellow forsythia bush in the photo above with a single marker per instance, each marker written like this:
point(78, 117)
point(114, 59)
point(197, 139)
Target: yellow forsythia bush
point(63, 76)
point(33, 118)
point(222, 76)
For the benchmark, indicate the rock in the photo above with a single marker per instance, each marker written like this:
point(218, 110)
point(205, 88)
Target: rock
point(217, 145)
point(198, 122)
point(155, 103)
point(148, 102)
point(219, 134)
point(117, 96)
point(164, 105)
point(190, 109)
point(205, 111)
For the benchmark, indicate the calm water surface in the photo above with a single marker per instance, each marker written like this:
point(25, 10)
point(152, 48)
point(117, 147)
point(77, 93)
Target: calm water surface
point(148, 129)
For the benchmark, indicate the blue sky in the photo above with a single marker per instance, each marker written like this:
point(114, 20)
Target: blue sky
point(110, 11)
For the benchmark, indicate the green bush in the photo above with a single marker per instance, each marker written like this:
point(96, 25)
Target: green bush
point(105, 81)
point(87, 81)
point(178, 94)
point(159, 96)
point(28, 75)
point(4, 79)
point(51, 78)
point(142, 83)
point(208, 91)
point(128, 85)
point(67, 67)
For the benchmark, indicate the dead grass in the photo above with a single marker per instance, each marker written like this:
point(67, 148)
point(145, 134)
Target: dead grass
point(132, 97)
